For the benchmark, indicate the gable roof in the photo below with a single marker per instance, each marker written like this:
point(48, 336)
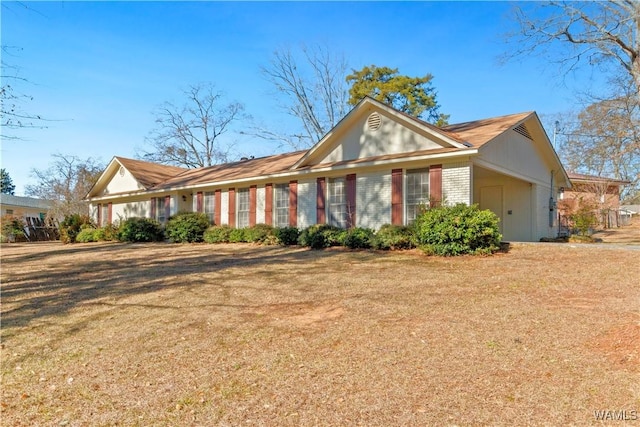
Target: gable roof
point(149, 174)
point(479, 132)
point(456, 139)
point(444, 139)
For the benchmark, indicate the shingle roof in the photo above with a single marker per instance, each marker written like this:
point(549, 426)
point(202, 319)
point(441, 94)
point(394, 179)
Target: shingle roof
point(479, 132)
point(149, 174)
point(157, 177)
point(234, 171)
point(26, 202)
point(593, 178)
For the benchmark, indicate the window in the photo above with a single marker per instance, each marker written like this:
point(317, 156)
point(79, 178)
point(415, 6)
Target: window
point(9, 211)
point(209, 205)
point(160, 211)
point(417, 193)
point(243, 208)
point(281, 205)
point(105, 215)
point(338, 202)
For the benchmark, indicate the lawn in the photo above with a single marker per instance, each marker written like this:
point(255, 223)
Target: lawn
point(199, 335)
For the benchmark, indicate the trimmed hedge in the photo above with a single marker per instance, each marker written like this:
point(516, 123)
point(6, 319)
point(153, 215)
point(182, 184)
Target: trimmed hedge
point(322, 236)
point(458, 230)
point(217, 234)
point(140, 230)
point(392, 237)
point(358, 238)
point(187, 227)
point(287, 236)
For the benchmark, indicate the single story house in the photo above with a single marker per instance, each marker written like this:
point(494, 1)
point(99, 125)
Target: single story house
point(376, 166)
point(600, 193)
point(34, 214)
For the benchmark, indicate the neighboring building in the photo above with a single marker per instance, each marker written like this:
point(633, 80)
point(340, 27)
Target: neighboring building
point(24, 207)
point(601, 194)
point(376, 166)
point(33, 211)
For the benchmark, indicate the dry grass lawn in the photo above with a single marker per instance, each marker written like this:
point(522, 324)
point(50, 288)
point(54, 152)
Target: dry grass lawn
point(200, 335)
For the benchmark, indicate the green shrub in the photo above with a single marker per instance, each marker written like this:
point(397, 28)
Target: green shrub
point(287, 236)
point(237, 235)
point(584, 218)
point(71, 225)
point(217, 234)
point(322, 236)
point(187, 227)
point(358, 238)
point(259, 233)
point(12, 229)
point(87, 235)
point(107, 233)
point(457, 230)
point(140, 230)
point(392, 237)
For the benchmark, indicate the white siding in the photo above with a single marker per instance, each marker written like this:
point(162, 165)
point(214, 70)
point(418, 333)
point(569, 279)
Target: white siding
point(260, 201)
point(224, 207)
point(516, 155)
point(131, 209)
point(306, 204)
point(121, 183)
point(390, 138)
point(456, 183)
point(373, 200)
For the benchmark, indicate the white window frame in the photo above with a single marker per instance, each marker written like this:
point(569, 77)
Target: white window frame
point(281, 205)
point(104, 218)
point(242, 208)
point(209, 205)
point(337, 214)
point(416, 193)
point(160, 212)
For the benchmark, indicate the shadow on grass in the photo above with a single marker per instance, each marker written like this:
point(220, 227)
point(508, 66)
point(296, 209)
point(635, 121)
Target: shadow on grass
point(103, 274)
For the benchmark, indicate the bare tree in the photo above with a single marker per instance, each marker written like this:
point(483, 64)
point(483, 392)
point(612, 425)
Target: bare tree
point(13, 115)
point(66, 182)
point(312, 88)
point(189, 135)
point(604, 140)
point(573, 34)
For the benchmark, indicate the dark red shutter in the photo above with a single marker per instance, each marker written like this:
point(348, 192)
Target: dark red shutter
point(232, 207)
point(351, 200)
point(199, 201)
point(216, 208)
point(252, 205)
point(268, 204)
point(110, 213)
point(321, 217)
point(396, 197)
point(293, 203)
point(435, 185)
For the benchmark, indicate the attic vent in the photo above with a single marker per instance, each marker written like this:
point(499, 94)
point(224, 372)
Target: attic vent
point(373, 122)
point(121, 171)
point(522, 130)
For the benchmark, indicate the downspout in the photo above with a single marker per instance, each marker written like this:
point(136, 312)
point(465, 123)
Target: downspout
point(552, 204)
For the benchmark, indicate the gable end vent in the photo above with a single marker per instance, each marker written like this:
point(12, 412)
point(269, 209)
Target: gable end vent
point(374, 121)
point(522, 130)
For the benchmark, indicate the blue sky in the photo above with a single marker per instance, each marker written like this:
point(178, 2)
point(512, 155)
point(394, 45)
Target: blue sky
point(98, 70)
